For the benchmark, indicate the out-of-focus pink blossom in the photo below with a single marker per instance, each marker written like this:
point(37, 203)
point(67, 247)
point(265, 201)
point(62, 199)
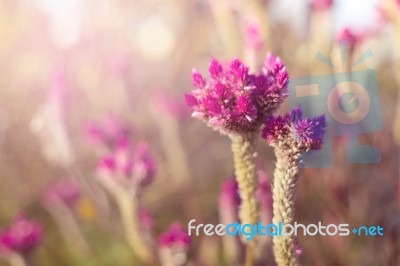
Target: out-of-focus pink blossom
point(229, 197)
point(174, 236)
point(21, 236)
point(321, 4)
point(61, 191)
point(146, 219)
point(252, 37)
point(234, 101)
point(173, 246)
point(348, 37)
point(129, 167)
point(108, 131)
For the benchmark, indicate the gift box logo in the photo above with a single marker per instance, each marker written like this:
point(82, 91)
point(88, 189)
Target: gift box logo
point(350, 103)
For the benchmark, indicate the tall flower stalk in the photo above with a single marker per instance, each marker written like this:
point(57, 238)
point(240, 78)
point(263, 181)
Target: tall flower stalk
point(290, 136)
point(124, 174)
point(236, 104)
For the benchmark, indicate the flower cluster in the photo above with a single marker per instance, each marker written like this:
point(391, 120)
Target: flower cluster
point(21, 237)
point(61, 191)
point(127, 166)
point(292, 131)
point(234, 101)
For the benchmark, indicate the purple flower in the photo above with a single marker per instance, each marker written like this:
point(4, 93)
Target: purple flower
point(22, 236)
point(294, 131)
point(61, 190)
point(233, 100)
point(129, 167)
point(174, 236)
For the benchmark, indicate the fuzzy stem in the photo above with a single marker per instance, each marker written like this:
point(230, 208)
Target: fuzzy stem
point(285, 181)
point(244, 162)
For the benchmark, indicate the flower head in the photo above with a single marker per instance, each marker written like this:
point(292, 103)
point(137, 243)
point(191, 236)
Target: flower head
point(174, 245)
point(175, 235)
point(233, 100)
point(21, 236)
point(129, 167)
point(252, 37)
point(108, 132)
point(294, 131)
point(62, 190)
point(347, 37)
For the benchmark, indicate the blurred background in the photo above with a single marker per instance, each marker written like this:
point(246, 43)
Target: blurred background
point(77, 76)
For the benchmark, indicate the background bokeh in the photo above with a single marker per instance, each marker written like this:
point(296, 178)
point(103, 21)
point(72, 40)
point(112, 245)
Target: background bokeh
point(65, 64)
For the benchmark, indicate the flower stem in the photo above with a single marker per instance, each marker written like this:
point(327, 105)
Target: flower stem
point(285, 181)
point(129, 215)
point(244, 162)
point(245, 172)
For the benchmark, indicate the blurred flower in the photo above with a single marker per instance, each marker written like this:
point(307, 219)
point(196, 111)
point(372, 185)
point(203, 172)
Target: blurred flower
point(129, 167)
point(146, 220)
point(233, 100)
point(252, 37)
point(107, 132)
point(61, 191)
point(21, 236)
point(347, 37)
point(174, 245)
point(293, 132)
point(229, 196)
point(321, 4)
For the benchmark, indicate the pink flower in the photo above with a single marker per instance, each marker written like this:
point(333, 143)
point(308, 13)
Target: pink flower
point(108, 132)
point(174, 236)
point(252, 37)
point(21, 236)
point(129, 167)
point(229, 197)
point(233, 100)
point(146, 219)
point(61, 190)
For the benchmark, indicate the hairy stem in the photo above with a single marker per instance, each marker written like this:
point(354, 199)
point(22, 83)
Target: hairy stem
point(285, 181)
point(244, 162)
